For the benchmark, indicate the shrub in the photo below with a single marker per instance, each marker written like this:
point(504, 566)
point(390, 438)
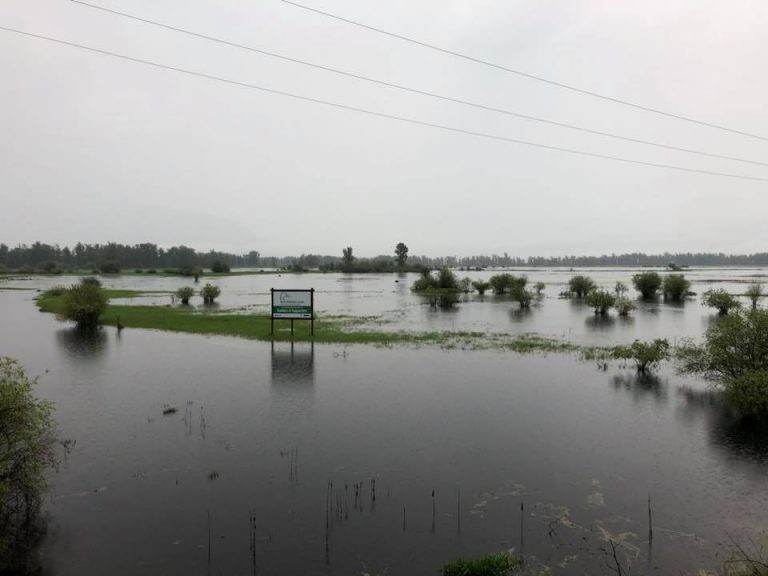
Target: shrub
point(210, 293)
point(624, 306)
point(55, 291)
point(465, 285)
point(734, 354)
point(26, 447)
point(219, 267)
point(721, 300)
point(501, 564)
point(84, 303)
point(620, 289)
point(601, 301)
point(424, 282)
point(110, 267)
point(90, 281)
point(580, 286)
point(481, 286)
point(647, 283)
point(503, 283)
point(521, 295)
point(754, 293)
point(646, 355)
point(447, 280)
point(185, 293)
point(675, 287)
point(151, 271)
point(539, 287)
point(50, 267)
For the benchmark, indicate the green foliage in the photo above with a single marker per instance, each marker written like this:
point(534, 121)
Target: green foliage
point(721, 300)
point(501, 564)
point(646, 355)
point(755, 293)
point(481, 286)
point(401, 253)
point(734, 354)
point(620, 289)
point(347, 258)
point(90, 281)
point(55, 291)
point(26, 447)
point(601, 301)
point(110, 267)
point(748, 393)
point(675, 287)
point(539, 287)
point(219, 267)
point(624, 306)
point(84, 303)
point(465, 285)
point(503, 283)
point(521, 295)
point(424, 282)
point(647, 283)
point(446, 280)
point(580, 286)
point(210, 293)
point(185, 293)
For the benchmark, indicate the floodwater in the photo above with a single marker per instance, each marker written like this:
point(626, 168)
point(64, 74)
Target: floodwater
point(324, 459)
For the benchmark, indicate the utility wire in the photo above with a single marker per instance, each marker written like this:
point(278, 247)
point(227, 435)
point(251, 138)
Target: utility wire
point(418, 91)
point(380, 114)
point(528, 75)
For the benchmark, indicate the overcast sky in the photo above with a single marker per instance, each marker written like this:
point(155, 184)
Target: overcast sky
point(98, 149)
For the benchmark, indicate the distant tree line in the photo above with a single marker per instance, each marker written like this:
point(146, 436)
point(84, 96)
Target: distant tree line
point(47, 257)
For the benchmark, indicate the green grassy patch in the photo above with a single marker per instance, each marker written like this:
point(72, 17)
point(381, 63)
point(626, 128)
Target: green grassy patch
point(328, 329)
point(500, 564)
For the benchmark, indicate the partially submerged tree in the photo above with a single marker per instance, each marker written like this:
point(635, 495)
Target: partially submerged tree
point(755, 292)
point(646, 355)
point(185, 293)
point(347, 258)
point(209, 293)
point(539, 287)
point(620, 289)
point(27, 443)
point(401, 253)
point(481, 286)
point(721, 300)
point(601, 301)
point(90, 281)
point(624, 306)
point(675, 287)
point(580, 286)
point(521, 295)
point(647, 283)
point(735, 355)
point(84, 303)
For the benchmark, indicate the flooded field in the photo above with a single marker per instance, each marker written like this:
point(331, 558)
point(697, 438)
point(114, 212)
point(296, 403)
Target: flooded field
point(330, 459)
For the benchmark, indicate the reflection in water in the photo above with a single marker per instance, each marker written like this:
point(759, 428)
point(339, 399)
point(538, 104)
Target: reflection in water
point(82, 343)
point(520, 314)
point(740, 436)
point(293, 365)
point(598, 322)
point(642, 385)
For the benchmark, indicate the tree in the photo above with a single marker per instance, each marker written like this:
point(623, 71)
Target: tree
point(580, 286)
point(539, 287)
point(646, 355)
point(624, 306)
point(219, 267)
point(521, 295)
point(721, 300)
point(84, 303)
point(675, 287)
point(110, 267)
point(185, 293)
point(209, 293)
point(647, 283)
point(27, 442)
point(347, 258)
point(401, 253)
point(735, 355)
point(481, 286)
point(601, 301)
point(620, 289)
point(755, 293)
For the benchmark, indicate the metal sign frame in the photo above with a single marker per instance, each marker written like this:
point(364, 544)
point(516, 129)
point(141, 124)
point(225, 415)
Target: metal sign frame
point(311, 308)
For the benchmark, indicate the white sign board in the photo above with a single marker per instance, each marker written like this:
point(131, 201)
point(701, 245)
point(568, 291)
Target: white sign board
point(292, 304)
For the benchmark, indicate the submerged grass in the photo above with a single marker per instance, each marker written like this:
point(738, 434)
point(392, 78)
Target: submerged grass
point(328, 329)
point(498, 564)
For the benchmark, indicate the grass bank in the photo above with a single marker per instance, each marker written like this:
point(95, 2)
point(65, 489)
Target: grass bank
point(330, 329)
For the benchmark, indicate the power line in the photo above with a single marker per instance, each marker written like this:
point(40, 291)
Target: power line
point(381, 114)
point(528, 75)
point(418, 91)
